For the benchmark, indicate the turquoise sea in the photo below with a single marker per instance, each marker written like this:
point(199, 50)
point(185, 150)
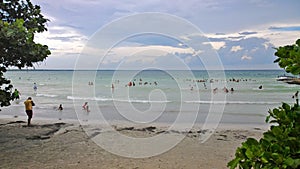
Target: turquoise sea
point(154, 95)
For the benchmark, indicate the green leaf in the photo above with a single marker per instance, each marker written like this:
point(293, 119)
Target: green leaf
point(286, 106)
point(289, 161)
point(249, 153)
point(233, 163)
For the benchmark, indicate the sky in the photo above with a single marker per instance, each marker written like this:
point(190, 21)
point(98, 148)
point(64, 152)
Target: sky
point(169, 34)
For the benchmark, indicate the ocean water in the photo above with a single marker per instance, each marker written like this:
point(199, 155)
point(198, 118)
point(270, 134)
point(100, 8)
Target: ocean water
point(154, 96)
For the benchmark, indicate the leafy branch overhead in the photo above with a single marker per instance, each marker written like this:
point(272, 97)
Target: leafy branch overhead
point(20, 20)
point(289, 57)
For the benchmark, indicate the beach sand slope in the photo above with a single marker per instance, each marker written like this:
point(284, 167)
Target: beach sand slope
point(61, 145)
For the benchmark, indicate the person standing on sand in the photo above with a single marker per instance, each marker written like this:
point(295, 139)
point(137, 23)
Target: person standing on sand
point(28, 109)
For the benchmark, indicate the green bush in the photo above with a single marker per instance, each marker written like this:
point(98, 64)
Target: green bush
point(278, 148)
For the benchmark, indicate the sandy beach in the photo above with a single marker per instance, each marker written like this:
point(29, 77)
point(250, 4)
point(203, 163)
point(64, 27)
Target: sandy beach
point(65, 145)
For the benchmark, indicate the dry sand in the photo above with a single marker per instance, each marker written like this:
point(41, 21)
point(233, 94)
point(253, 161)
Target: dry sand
point(62, 145)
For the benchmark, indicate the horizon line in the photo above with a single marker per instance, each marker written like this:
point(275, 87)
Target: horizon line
point(141, 70)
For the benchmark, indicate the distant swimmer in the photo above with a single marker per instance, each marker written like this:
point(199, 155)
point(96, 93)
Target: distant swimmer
point(296, 95)
point(231, 90)
point(225, 90)
point(215, 90)
point(260, 87)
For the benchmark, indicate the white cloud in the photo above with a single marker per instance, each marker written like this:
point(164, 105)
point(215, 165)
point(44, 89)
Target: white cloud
point(216, 45)
point(62, 40)
point(245, 57)
point(235, 48)
point(144, 53)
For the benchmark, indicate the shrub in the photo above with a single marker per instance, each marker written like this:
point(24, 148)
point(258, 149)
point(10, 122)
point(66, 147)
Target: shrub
point(279, 147)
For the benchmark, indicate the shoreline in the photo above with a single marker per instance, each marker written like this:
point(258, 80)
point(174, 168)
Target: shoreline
point(121, 123)
point(58, 144)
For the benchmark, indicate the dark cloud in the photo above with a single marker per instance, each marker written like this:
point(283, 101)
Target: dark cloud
point(153, 39)
point(286, 28)
point(236, 37)
point(247, 33)
point(217, 39)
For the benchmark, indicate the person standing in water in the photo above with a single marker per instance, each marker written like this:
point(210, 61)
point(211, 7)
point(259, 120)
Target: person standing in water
point(112, 88)
point(28, 109)
point(60, 109)
point(16, 94)
point(34, 87)
point(86, 107)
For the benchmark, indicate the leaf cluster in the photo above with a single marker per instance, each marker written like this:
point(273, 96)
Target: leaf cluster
point(289, 57)
point(279, 148)
point(11, 10)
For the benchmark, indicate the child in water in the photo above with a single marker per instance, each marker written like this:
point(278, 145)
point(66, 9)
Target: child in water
point(86, 107)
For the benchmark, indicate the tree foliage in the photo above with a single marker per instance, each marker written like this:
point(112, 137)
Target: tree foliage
point(289, 57)
point(278, 148)
point(20, 20)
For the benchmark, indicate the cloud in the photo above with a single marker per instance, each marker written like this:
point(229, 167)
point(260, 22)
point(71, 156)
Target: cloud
point(231, 31)
point(247, 33)
point(285, 28)
point(245, 57)
point(216, 45)
point(144, 53)
point(62, 40)
point(235, 48)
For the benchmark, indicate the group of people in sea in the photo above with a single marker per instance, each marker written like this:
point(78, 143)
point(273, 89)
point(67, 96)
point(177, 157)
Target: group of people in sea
point(217, 80)
point(140, 83)
point(215, 90)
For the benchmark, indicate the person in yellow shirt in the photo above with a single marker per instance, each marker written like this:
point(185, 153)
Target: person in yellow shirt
point(28, 109)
